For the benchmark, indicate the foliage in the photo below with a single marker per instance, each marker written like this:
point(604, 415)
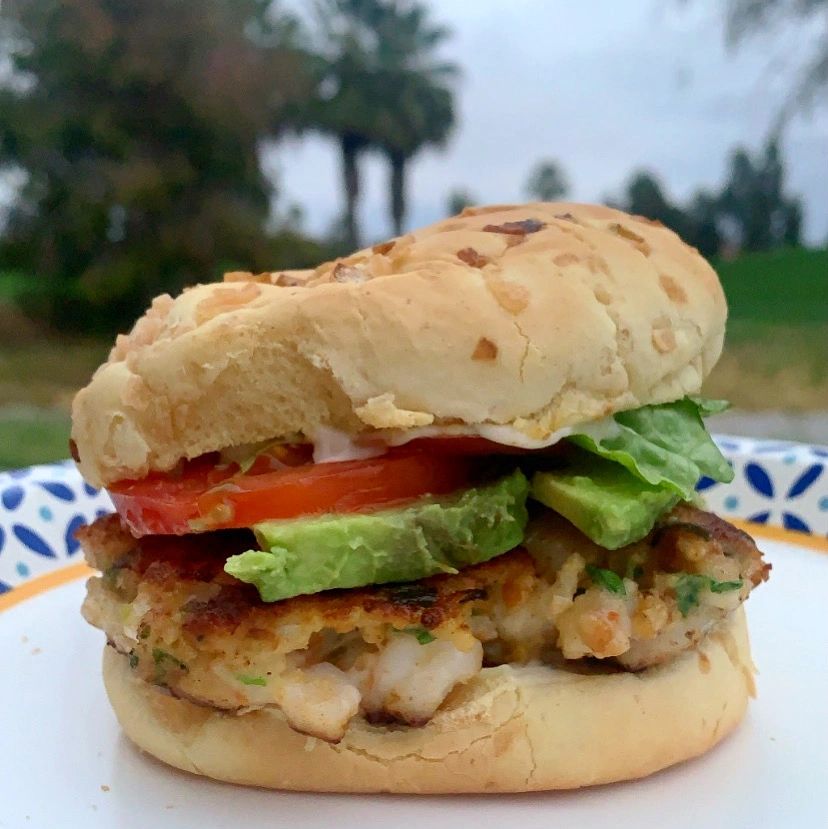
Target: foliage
point(547, 181)
point(746, 18)
point(753, 199)
point(458, 199)
point(381, 86)
point(645, 196)
point(751, 211)
point(138, 124)
point(13, 285)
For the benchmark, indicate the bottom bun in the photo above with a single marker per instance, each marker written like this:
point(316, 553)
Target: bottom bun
point(511, 729)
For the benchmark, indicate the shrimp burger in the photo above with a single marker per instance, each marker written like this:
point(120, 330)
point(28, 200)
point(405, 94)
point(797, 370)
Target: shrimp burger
point(424, 519)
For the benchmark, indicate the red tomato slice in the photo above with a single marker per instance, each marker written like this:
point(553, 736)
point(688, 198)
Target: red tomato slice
point(206, 497)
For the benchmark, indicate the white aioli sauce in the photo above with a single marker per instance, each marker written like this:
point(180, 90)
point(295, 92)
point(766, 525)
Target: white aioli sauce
point(332, 445)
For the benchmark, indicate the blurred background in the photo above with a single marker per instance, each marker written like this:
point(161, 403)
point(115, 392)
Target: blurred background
point(150, 144)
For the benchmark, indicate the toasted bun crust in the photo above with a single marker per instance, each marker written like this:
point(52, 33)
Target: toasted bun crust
point(509, 730)
point(580, 312)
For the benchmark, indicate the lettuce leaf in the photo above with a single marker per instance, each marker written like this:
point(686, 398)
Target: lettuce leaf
point(634, 467)
point(665, 445)
point(708, 406)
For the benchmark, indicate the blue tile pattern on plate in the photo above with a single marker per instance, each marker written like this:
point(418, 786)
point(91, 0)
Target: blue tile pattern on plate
point(759, 479)
point(40, 509)
point(780, 483)
point(57, 489)
point(29, 538)
point(784, 484)
point(11, 496)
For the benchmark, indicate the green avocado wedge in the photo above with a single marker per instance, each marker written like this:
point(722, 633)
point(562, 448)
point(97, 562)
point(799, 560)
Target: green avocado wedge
point(632, 467)
point(433, 535)
point(603, 500)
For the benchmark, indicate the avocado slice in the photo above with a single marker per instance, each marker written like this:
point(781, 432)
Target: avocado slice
point(603, 500)
point(434, 535)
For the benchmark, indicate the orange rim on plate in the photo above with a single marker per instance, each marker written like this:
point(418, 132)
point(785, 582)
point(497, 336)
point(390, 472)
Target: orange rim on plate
point(57, 578)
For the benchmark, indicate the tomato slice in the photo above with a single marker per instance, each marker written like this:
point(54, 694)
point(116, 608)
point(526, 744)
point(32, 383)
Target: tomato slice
point(206, 497)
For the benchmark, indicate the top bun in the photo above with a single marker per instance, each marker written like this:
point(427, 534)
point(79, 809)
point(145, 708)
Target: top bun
point(536, 316)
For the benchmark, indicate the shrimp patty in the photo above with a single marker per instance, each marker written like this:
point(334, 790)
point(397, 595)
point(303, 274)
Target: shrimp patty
point(393, 653)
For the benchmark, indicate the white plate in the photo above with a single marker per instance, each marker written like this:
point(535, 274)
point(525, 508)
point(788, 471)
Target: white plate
point(65, 765)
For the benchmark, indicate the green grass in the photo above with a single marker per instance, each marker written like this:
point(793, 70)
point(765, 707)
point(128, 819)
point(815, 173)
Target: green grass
point(776, 353)
point(787, 286)
point(29, 435)
point(12, 284)
point(780, 367)
point(48, 371)
point(37, 382)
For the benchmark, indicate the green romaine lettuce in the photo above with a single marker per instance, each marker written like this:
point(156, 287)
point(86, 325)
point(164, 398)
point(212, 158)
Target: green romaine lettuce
point(636, 465)
point(665, 445)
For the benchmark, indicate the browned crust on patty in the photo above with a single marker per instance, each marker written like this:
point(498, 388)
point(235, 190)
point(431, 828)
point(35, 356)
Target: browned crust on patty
point(170, 565)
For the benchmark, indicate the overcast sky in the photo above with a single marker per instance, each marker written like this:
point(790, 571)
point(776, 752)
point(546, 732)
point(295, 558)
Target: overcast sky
point(602, 86)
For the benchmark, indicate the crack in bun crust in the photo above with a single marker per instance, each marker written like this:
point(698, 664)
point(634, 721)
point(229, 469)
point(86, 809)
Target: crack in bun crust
point(582, 310)
point(507, 730)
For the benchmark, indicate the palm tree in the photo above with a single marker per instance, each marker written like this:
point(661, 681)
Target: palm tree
point(426, 116)
point(382, 87)
point(458, 200)
point(547, 181)
point(344, 106)
point(809, 85)
point(415, 102)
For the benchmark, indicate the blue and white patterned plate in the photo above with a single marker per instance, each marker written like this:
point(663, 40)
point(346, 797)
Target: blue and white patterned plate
point(40, 509)
point(782, 484)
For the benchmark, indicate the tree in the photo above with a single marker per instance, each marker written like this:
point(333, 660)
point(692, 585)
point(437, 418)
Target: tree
point(414, 93)
point(459, 199)
point(697, 224)
point(343, 106)
point(423, 115)
point(745, 18)
point(137, 123)
point(381, 88)
point(792, 216)
point(754, 202)
point(704, 233)
point(751, 210)
point(645, 197)
point(547, 182)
